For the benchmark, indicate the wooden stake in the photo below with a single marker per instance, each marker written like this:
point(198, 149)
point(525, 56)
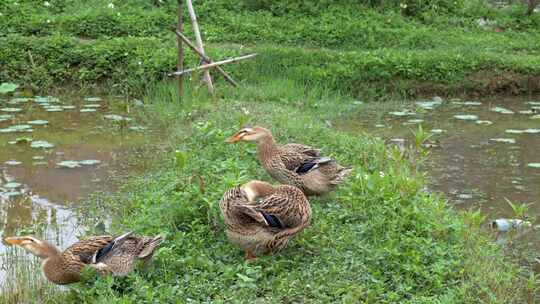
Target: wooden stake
point(198, 40)
point(180, 62)
point(205, 58)
point(213, 64)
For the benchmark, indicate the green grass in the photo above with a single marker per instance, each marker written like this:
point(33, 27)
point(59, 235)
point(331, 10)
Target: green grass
point(380, 238)
point(364, 51)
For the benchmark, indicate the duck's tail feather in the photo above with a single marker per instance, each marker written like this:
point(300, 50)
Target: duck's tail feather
point(341, 174)
point(150, 246)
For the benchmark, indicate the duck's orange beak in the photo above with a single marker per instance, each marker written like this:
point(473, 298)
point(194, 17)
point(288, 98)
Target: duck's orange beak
point(235, 138)
point(14, 240)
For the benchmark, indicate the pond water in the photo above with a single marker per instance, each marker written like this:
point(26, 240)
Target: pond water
point(54, 152)
point(483, 153)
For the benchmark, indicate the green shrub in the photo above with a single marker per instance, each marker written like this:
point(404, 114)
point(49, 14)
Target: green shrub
point(415, 8)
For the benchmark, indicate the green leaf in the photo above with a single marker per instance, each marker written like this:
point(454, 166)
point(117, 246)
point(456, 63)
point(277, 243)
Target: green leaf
point(8, 87)
point(180, 159)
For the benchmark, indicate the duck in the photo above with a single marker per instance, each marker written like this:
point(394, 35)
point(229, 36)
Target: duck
point(261, 218)
point(105, 253)
point(294, 164)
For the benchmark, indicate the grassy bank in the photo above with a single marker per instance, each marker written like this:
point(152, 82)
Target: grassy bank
point(379, 239)
point(361, 50)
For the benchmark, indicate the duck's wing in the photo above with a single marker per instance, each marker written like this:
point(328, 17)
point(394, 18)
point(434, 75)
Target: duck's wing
point(84, 250)
point(286, 208)
point(312, 164)
point(302, 149)
point(294, 155)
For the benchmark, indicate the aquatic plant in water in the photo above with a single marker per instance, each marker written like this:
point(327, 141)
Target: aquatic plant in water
point(8, 87)
point(41, 144)
point(466, 117)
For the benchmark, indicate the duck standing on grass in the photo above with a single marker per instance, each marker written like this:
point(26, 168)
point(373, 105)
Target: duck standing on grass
point(294, 164)
point(264, 227)
point(106, 254)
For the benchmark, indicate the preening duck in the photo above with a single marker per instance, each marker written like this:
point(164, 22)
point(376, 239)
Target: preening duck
point(261, 218)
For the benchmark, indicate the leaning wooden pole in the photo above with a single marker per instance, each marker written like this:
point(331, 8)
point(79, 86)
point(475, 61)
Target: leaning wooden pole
point(199, 42)
point(213, 64)
point(205, 58)
point(180, 62)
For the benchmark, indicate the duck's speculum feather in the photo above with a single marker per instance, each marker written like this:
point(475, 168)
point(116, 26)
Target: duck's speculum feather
point(102, 252)
point(272, 220)
point(312, 164)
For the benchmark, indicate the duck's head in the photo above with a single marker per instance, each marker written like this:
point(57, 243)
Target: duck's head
point(33, 245)
point(249, 134)
point(255, 189)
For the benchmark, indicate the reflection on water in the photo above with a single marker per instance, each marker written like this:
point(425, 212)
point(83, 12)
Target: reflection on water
point(37, 195)
point(480, 159)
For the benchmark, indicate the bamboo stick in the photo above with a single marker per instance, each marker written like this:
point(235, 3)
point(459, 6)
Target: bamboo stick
point(205, 58)
point(213, 64)
point(180, 62)
point(199, 42)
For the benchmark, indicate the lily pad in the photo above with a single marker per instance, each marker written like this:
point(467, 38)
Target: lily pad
point(536, 116)
point(54, 109)
point(41, 144)
point(38, 122)
point(11, 185)
point(11, 110)
point(69, 164)
point(140, 128)
point(140, 103)
point(11, 193)
point(92, 105)
point(40, 163)
point(465, 196)
point(401, 113)
point(6, 116)
point(484, 122)
point(467, 103)
point(89, 162)
point(504, 140)
point(413, 121)
point(116, 117)
point(19, 100)
point(437, 131)
point(88, 110)
point(526, 112)
point(502, 110)
point(17, 128)
point(428, 105)
point(92, 99)
point(466, 116)
point(46, 99)
point(533, 103)
point(534, 165)
point(8, 87)
point(514, 131)
point(69, 107)
point(13, 162)
point(38, 157)
point(532, 131)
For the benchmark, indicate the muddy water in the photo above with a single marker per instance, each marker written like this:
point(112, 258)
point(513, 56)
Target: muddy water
point(481, 160)
point(62, 149)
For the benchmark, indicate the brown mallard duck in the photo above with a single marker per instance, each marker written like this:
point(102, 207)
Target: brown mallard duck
point(294, 164)
point(261, 218)
point(105, 253)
